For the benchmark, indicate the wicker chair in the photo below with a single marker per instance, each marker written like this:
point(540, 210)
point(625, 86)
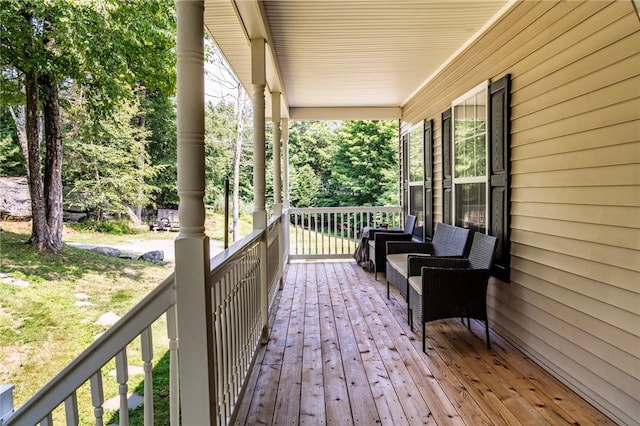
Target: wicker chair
point(448, 240)
point(378, 241)
point(453, 287)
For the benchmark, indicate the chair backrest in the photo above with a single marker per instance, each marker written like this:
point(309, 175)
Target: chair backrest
point(449, 240)
point(482, 251)
point(409, 224)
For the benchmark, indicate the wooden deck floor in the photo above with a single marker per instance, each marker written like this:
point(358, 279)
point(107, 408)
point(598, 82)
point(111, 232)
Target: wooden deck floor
point(341, 353)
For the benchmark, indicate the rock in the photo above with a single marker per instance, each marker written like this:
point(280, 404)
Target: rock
point(107, 319)
point(128, 255)
point(133, 401)
point(81, 296)
point(15, 282)
point(15, 201)
point(82, 303)
point(107, 251)
point(154, 256)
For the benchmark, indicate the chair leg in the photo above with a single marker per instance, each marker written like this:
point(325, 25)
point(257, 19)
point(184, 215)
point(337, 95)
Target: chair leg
point(375, 271)
point(388, 296)
point(468, 323)
point(410, 320)
point(424, 337)
point(486, 328)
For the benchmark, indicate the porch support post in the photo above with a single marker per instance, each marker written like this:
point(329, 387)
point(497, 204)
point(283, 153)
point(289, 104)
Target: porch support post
point(258, 79)
point(285, 188)
point(198, 399)
point(277, 160)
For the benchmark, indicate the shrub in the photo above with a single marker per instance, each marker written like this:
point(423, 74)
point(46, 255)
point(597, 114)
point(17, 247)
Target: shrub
point(115, 227)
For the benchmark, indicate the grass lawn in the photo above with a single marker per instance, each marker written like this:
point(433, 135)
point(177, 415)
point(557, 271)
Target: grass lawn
point(42, 327)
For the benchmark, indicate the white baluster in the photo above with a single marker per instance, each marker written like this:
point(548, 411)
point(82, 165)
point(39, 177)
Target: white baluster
point(97, 397)
point(71, 410)
point(122, 376)
point(147, 356)
point(174, 377)
point(47, 421)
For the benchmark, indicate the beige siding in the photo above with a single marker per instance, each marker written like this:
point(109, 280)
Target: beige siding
point(573, 303)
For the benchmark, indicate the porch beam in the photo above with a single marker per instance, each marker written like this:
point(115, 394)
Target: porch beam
point(346, 113)
point(198, 398)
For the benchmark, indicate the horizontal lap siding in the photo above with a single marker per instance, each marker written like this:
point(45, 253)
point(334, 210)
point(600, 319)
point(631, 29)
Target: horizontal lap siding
point(574, 300)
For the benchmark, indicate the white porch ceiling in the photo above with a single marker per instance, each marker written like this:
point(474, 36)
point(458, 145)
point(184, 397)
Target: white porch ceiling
point(347, 59)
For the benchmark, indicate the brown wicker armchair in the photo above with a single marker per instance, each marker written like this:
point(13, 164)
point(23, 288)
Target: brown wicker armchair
point(448, 240)
point(378, 240)
point(453, 287)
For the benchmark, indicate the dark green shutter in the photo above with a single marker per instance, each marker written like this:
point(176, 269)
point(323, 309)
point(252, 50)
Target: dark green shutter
point(446, 167)
point(500, 177)
point(428, 179)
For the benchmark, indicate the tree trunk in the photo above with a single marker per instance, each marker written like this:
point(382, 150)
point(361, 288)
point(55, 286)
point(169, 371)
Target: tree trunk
point(39, 228)
point(237, 156)
point(20, 121)
point(53, 162)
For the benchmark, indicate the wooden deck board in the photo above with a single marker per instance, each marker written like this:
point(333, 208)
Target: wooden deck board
point(341, 353)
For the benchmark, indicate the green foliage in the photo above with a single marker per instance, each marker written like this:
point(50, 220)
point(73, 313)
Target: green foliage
point(364, 170)
point(162, 147)
point(304, 187)
point(105, 56)
point(220, 139)
point(107, 170)
point(113, 227)
point(11, 158)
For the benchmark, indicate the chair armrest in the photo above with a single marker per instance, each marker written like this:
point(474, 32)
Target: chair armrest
point(394, 247)
point(417, 263)
point(374, 231)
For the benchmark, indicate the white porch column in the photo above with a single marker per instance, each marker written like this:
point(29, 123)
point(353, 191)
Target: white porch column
point(258, 78)
point(285, 188)
point(192, 245)
point(277, 160)
point(285, 161)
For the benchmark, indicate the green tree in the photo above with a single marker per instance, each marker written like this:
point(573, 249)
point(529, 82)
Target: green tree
point(305, 187)
point(104, 171)
point(364, 169)
point(11, 158)
point(107, 48)
point(162, 147)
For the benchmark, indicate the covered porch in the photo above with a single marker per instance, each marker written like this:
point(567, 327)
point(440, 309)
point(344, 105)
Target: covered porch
point(255, 339)
point(340, 352)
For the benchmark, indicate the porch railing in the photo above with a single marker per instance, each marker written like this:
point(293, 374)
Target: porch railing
point(237, 302)
point(333, 232)
point(89, 366)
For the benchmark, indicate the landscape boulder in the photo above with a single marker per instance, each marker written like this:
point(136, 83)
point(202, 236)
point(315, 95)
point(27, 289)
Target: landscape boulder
point(154, 256)
point(107, 251)
point(15, 201)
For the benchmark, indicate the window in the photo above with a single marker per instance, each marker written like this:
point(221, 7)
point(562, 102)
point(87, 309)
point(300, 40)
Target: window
point(416, 174)
point(470, 175)
point(476, 178)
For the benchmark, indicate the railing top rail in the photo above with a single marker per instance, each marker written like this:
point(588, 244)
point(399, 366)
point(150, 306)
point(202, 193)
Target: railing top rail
point(103, 349)
point(371, 209)
point(229, 255)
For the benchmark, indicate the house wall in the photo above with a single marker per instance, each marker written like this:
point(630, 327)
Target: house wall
point(573, 303)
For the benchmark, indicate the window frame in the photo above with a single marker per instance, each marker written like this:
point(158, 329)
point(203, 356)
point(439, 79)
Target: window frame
point(484, 89)
point(415, 137)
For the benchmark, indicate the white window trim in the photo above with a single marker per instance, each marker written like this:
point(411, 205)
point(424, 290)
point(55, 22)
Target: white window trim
point(484, 86)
